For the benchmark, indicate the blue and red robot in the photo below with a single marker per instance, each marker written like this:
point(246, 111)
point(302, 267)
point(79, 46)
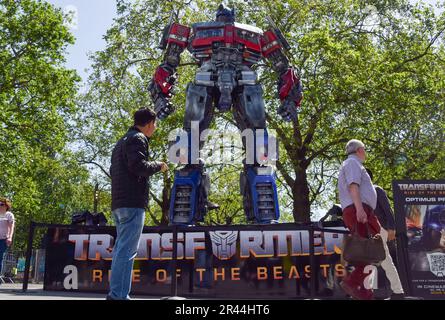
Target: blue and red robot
point(225, 51)
point(433, 229)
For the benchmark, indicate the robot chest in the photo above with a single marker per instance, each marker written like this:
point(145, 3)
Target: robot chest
point(228, 36)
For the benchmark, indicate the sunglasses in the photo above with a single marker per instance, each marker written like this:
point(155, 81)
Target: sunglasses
point(2, 204)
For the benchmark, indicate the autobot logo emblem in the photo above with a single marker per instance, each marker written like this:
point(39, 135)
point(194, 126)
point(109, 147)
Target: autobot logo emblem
point(181, 31)
point(437, 263)
point(224, 244)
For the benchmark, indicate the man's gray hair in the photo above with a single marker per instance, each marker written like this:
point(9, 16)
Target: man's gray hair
point(353, 145)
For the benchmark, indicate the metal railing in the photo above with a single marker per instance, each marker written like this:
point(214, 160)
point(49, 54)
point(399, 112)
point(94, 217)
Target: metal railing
point(13, 266)
point(8, 269)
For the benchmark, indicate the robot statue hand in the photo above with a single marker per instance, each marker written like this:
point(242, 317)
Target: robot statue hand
point(162, 104)
point(163, 108)
point(288, 110)
point(290, 93)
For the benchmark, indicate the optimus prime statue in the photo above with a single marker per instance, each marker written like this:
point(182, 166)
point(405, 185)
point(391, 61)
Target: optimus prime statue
point(225, 52)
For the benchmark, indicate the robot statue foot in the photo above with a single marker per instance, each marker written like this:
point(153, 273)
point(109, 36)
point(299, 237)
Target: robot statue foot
point(260, 195)
point(189, 198)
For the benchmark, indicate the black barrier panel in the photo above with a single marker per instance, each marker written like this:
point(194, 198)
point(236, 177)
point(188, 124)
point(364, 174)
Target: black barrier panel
point(88, 249)
point(255, 261)
point(420, 222)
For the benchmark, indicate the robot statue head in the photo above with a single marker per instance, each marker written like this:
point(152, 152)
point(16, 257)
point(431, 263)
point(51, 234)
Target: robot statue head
point(225, 14)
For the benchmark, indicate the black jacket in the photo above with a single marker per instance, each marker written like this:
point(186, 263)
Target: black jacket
point(130, 170)
point(383, 210)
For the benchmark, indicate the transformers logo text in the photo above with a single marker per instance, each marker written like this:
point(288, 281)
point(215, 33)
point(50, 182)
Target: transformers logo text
point(258, 244)
point(422, 187)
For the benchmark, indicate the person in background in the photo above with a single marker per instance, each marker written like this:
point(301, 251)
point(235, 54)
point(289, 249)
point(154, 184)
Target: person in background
point(358, 200)
point(333, 217)
point(130, 171)
point(7, 225)
point(385, 216)
point(333, 214)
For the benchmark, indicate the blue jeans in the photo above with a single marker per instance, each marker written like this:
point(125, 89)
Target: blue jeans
point(3, 248)
point(129, 224)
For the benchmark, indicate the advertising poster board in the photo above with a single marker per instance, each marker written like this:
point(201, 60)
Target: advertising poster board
point(420, 220)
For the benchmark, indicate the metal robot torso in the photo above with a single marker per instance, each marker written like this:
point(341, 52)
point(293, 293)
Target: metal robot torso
point(225, 52)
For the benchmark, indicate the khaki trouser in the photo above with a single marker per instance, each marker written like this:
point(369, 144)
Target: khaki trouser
point(389, 267)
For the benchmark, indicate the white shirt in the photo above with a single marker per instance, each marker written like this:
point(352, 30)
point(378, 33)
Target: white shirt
point(5, 220)
point(353, 171)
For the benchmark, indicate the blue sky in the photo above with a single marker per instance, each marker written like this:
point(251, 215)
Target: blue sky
point(93, 19)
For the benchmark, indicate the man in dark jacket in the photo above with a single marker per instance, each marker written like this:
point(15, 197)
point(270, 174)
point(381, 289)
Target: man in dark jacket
point(130, 170)
point(385, 216)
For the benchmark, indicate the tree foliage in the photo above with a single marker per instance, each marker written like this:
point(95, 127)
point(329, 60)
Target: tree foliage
point(371, 70)
point(37, 100)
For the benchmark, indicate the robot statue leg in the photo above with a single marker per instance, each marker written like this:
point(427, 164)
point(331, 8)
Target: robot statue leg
point(188, 199)
point(257, 181)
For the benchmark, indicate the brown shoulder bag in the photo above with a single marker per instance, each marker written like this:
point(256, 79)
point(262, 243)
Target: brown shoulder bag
point(368, 250)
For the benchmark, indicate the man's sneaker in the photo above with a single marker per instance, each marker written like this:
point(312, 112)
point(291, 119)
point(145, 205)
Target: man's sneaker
point(402, 296)
point(356, 292)
point(397, 296)
point(109, 297)
point(349, 289)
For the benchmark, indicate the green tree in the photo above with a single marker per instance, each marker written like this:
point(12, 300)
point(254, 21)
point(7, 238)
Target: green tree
point(370, 69)
point(37, 99)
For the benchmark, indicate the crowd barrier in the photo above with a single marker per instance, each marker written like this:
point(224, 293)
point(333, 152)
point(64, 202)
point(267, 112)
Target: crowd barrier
point(275, 261)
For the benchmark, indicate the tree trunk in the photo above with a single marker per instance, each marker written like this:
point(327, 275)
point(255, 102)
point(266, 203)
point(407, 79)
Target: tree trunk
point(300, 191)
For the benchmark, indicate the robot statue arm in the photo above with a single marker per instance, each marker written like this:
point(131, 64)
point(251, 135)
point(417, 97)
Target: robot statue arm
point(289, 84)
point(174, 41)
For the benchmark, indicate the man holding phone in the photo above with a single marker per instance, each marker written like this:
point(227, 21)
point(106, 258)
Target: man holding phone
point(130, 171)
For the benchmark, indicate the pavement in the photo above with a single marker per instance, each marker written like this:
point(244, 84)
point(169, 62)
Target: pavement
point(9, 291)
